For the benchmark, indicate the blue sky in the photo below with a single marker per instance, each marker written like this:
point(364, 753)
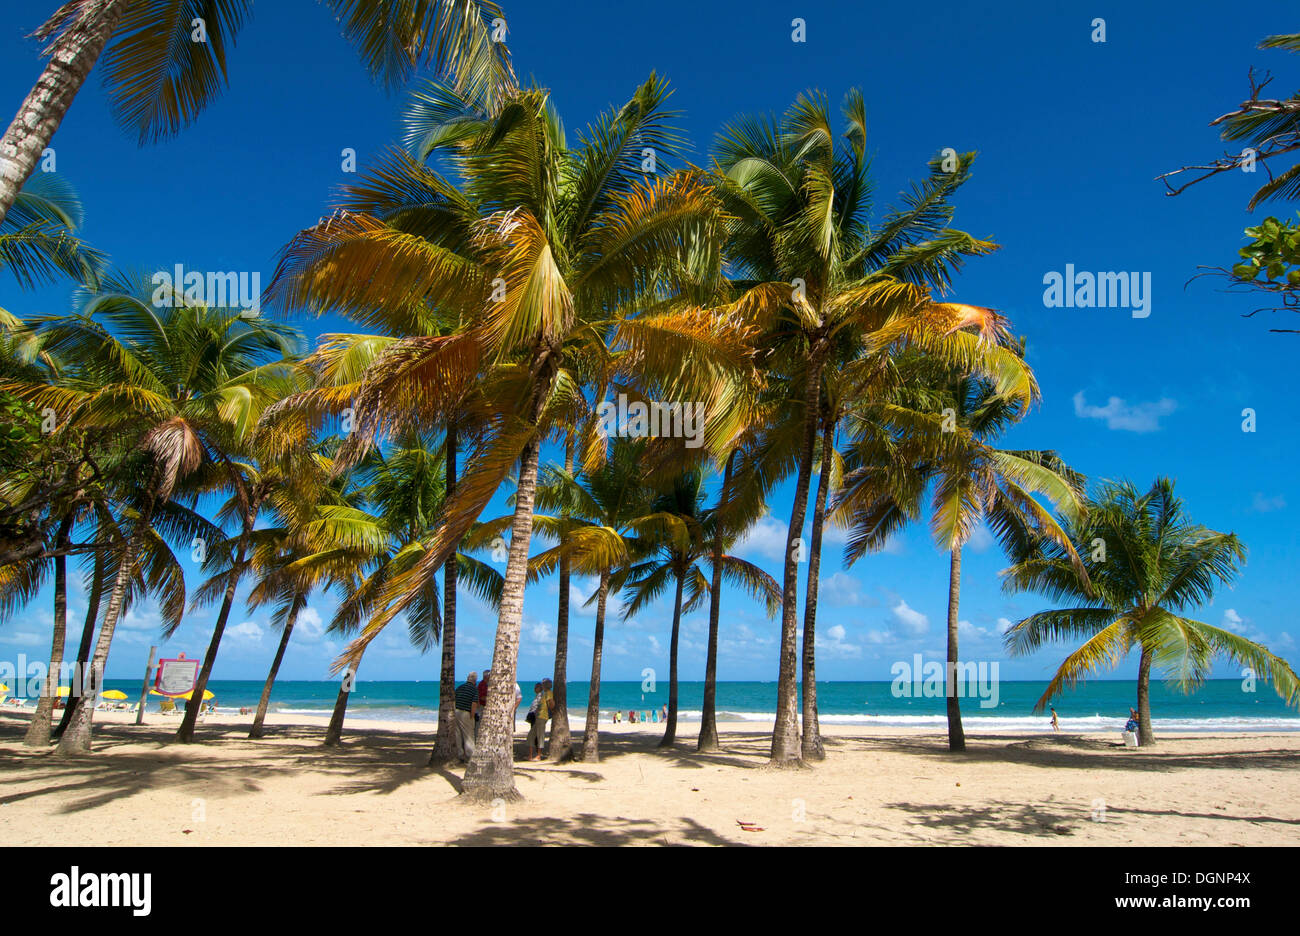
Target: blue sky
point(1071, 134)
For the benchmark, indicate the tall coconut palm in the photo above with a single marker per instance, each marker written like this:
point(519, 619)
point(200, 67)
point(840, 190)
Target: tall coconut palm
point(679, 559)
point(604, 522)
point(834, 288)
point(548, 254)
point(175, 380)
point(288, 569)
point(1147, 565)
point(162, 65)
point(949, 450)
point(405, 489)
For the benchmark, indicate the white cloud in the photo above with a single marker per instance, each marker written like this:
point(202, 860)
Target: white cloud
point(1004, 625)
point(980, 539)
point(309, 625)
point(831, 644)
point(1262, 504)
point(842, 590)
point(247, 631)
point(1233, 621)
point(1118, 414)
point(766, 538)
point(914, 622)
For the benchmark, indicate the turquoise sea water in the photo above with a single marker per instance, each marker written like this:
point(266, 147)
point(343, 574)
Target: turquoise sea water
point(1100, 705)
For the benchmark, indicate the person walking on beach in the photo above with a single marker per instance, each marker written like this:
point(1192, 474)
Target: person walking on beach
point(466, 712)
point(1055, 726)
point(534, 741)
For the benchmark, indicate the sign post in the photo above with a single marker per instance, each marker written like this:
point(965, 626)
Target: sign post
point(144, 690)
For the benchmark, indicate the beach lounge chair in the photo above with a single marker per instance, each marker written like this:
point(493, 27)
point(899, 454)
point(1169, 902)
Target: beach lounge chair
point(167, 707)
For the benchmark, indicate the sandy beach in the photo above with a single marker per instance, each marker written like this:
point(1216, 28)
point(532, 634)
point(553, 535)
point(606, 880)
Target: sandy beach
point(876, 787)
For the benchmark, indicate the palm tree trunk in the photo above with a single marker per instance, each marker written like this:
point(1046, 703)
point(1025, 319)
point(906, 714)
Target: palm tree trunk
point(73, 56)
point(334, 732)
point(76, 739)
point(38, 731)
point(670, 733)
point(591, 736)
point(491, 773)
point(1146, 736)
point(708, 740)
point(561, 736)
point(185, 733)
point(812, 735)
point(87, 635)
point(256, 731)
point(956, 737)
point(785, 733)
point(444, 745)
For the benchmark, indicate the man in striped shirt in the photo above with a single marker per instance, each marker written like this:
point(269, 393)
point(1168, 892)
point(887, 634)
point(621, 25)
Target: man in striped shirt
point(466, 708)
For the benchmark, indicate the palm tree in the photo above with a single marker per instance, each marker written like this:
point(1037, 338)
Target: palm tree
point(946, 446)
point(38, 240)
point(678, 558)
point(159, 75)
point(548, 257)
point(1147, 564)
point(835, 292)
point(174, 381)
point(279, 460)
point(605, 521)
point(406, 489)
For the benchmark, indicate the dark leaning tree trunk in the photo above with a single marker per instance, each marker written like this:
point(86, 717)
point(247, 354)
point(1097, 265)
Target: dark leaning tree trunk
point(185, 733)
point(87, 636)
point(257, 730)
point(708, 740)
point(1146, 735)
point(670, 733)
point(561, 736)
point(786, 749)
point(812, 734)
point(38, 731)
point(76, 738)
point(491, 773)
point(444, 745)
point(334, 732)
point(591, 735)
point(956, 736)
point(74, 55)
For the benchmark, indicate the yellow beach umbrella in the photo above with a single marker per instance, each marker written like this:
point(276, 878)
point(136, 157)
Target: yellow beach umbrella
point(207, 694)
point(3, 687)
point(63, 692)
point(115, 694)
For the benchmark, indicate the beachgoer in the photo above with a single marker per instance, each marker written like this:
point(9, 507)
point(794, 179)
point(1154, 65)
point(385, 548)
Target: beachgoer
point(663, 713)
point(1055, 726)
point(534, 745)
point(544, 708)
point(466, 712)
point(482, 700)
point(631, 716)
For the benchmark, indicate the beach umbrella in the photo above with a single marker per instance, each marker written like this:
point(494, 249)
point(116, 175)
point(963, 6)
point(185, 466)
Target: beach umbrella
point(63, 692)
point(115, 694)
point(3, 687)
point(207, 695)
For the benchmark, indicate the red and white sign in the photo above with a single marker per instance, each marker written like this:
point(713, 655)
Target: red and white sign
point(176, 677)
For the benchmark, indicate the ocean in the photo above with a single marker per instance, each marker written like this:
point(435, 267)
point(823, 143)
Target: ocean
point(1099, 705)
